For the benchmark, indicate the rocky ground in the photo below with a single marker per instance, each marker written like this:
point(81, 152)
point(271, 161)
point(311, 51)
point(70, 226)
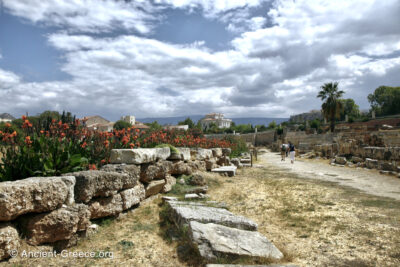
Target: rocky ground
point(313, 221)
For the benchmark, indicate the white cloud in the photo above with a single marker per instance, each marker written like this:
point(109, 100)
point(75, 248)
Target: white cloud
point(86, 15)
point(8, 79)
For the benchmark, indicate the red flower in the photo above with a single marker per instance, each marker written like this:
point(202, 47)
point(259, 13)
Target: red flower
point(92, 167)
point(84, 145)
point(8, 125)
point(131, 145)
point(28, 140)
point(106, 143)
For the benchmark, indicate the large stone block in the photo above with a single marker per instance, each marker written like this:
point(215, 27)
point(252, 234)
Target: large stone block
point(104, 207)
point(211, 164)
point(9, 240)
point(371, 163)
point(132, 196)
point(60, 224)
point(226, 151)
point(203, 154)
point(197, 165)
point(154, 187)
point(139, 155)
point(130, 169)
point(36, 194)
point(156, 170)
point(340, 160)
point(217, 152)
point(170, 181)
point(179, 168)
point(182, 214)
point(91, 184)
point(183, 154)
point(214, 241)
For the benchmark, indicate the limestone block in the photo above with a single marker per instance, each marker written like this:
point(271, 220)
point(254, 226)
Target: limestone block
point(197, 179)
point(9, 240)
point(183, 154)
point(183, 214)
point(104, 207)
point(156, 170)
point(213, 241)
point(203, 154)
point(210, 164)
point(36, 194)
point(217, 152)
point(170, 181)
point(179, 168)
point(226, 151)
point(60, 224)
point(197, 165)
point(371, 163)
point(132, 196)
point(154, 187)
point(340, 160)
point(91, 184)
point(139, 155)
point(130, 169)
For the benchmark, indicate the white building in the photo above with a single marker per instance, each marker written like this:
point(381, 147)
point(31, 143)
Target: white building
point(216, 118)
point(176, 127)
point(129, 118)
point(5, 117)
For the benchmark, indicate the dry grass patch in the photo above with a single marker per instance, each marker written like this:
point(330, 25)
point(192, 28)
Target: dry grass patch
point(315, 223)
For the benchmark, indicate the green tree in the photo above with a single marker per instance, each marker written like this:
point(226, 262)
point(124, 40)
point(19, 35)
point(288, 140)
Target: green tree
point(272, 125)
point(385, 100)
point(121, 124)
point(154, 126)
point(188, 121)
point(332, 106)
point(349, 108)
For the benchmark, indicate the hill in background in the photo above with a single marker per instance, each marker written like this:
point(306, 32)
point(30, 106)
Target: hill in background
point(195, 118)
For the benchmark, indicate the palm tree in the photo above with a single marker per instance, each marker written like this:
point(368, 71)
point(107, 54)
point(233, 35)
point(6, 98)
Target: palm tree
point(332, 106)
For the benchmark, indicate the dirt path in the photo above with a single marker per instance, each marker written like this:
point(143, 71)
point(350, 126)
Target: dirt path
point(369, 181)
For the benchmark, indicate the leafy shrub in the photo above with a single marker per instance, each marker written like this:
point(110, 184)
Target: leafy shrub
point(238, 145)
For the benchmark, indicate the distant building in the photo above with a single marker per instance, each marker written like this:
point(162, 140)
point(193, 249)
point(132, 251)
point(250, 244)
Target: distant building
point(176, 127)
point(139, 125)
point(308, 116)
point(97, 123)
point(129, 118)
point(216, 118)
point(5, 117)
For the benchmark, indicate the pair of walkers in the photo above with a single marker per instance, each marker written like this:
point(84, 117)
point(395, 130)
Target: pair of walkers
point(288, 149)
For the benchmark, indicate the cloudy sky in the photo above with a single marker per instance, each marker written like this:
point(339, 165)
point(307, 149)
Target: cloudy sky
point(260, 58)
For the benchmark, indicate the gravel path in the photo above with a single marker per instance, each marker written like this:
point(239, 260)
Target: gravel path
point(369, 181)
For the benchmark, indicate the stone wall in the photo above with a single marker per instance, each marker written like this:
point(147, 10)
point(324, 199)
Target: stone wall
point(378, 149)
point(58, 210)
point(258, 139)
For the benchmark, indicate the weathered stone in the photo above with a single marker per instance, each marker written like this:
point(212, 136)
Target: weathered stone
point(209, 203)
point(235, 265)
point(180, 168)
point(139, 155)
point(9, 240)
point(63, 244)
point(192, 196)
point(183, 214)
point(201, 153)
point(170, 181)
point(197, 190)
point(213, 241)
point(197, 165)
point(91, 184)
point(156, 170)
point(132, 196)
point(224, 161)
point(60, 224)
point(167, 198)
point(104, 207)
point(340, 160)
point(236, 162)
point(226, 151)
point(386, 166)
point(211, 164)
point(36, 194)
point(183, 154)
point(356, 159)
point(154, 187)
point(371, 163)
point(197, 179)
point(229, 170)
point(130, 169)
point(217, 152)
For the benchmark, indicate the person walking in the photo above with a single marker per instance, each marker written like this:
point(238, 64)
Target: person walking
point(284, 148)
point(292, 152)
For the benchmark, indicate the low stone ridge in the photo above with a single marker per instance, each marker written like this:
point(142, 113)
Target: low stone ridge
point(214, 240)
point(36, 194)
point(139, 155)
point(154, 187)
point(183, 214)
point(153, 171)
point(91, 184)
point(60, 224)
point(236, 265)
point(9, 240)
point(209, 203)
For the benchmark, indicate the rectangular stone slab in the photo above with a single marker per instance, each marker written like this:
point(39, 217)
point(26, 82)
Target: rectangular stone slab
point(139, 155)
point(214, 240)
point(230, 170)
point(182, 214)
